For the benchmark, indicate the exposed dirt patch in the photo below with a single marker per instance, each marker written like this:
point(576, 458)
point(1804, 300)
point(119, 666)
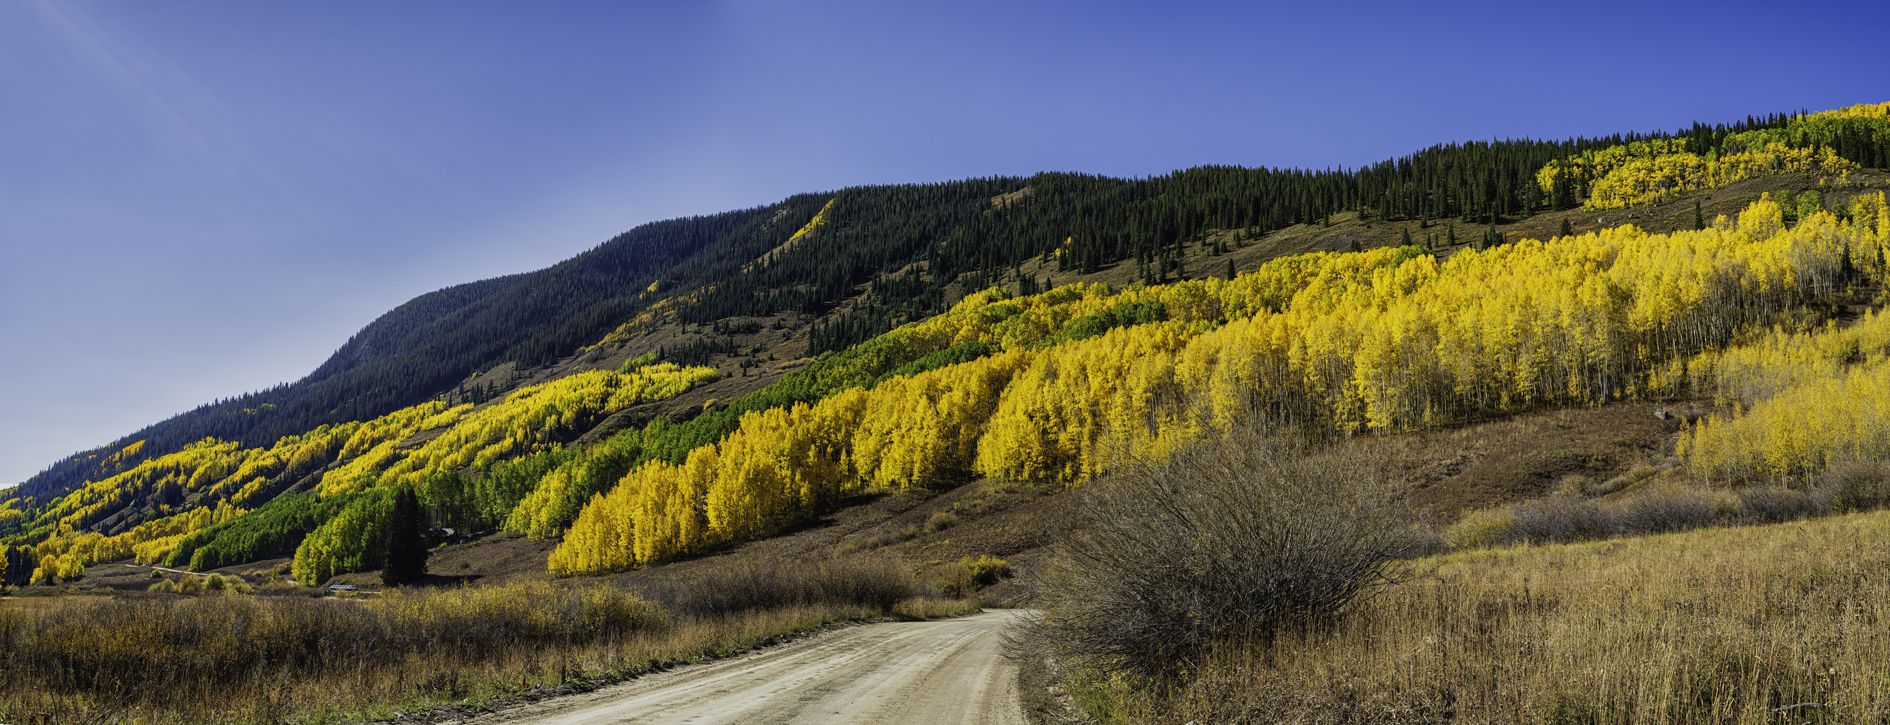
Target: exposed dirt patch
point(1527, 456)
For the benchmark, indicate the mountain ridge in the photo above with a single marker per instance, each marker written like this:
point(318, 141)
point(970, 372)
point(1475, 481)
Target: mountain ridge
point(832, 284)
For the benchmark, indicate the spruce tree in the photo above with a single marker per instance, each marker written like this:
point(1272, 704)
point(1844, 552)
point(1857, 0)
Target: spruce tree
point(1407, 237)
point(406, 551)
point(1699, 216)
point(1568, 230)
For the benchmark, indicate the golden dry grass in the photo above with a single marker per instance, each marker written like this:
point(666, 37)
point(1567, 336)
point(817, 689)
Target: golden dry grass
point(276, 659)
point(1711, 626)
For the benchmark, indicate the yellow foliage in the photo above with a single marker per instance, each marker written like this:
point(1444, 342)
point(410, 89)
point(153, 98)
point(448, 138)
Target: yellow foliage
point(1655, 171)
point(531, 419)
point(917, 429)
point(1384, 340)
point(1810, 399)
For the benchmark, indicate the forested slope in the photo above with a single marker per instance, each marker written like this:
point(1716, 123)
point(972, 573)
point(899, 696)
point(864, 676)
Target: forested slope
point(933, 380)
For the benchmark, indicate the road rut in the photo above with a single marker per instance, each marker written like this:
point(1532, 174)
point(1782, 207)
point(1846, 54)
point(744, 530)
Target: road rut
point(944, 671)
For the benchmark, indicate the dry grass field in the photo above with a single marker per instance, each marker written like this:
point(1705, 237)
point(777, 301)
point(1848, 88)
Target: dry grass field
point(268, 659)
point(1772, 624)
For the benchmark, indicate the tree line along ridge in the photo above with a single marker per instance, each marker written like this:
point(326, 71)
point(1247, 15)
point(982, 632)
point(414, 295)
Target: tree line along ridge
point(1031, 385)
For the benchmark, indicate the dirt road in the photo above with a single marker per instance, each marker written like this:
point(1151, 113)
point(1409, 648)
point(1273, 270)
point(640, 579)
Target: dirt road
point(947, 671)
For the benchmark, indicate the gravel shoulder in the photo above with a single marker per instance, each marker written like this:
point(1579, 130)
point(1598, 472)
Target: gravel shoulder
point(943, 671)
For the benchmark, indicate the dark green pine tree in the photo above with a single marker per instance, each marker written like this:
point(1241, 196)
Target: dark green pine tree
point(1568, 230)
point(406, 551)
point(1230, 269)
point(1407, 237)
point(1699, 216)
point(1450, 235)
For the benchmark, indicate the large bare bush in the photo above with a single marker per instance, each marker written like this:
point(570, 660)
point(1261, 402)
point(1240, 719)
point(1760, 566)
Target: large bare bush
point(1234, 537)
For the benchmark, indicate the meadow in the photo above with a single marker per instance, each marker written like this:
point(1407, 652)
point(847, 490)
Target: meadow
point(296, 658)
point(1782, 623)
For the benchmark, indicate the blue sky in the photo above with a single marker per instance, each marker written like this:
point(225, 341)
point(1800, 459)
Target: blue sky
point(201, 198)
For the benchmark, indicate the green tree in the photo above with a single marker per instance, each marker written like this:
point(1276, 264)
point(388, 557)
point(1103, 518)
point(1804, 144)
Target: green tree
point(406, 550)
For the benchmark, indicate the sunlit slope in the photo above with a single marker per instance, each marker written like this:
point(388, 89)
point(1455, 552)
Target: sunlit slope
point(1015, 382)
point(412, 353)
point(1833, 144)
point(1386, 340)
point(214, 482)
point(884, 255)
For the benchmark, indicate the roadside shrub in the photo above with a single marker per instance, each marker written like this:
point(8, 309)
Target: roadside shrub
point(1230, 538)
point(986, 570)
point(874, 582)
point(964, 577)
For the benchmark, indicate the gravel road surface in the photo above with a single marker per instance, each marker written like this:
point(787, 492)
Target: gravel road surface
point(945, 671)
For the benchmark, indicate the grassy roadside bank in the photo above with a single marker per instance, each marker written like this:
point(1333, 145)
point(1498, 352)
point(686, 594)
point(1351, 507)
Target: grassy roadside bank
point(1787, 622)
point(235, 659)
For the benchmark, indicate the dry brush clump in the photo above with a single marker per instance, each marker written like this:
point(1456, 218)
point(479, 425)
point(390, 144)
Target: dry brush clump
point(164, 652)
point(1770, 624)
point(870, 582)
point(1674, 504)
point(260, 659)
point(1229, 539)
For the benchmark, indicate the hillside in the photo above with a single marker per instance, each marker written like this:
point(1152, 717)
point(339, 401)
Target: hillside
point(697, 384)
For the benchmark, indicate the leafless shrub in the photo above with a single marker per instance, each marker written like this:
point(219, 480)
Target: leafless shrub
point(1857, 485)
point(1237, 537)
point(876, 582)
point(1560, 518)
point(1662, 510)
point(1773, 504)
point(1654, 510)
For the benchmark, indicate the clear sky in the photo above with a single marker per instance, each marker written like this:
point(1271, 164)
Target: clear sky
point(202, 198)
